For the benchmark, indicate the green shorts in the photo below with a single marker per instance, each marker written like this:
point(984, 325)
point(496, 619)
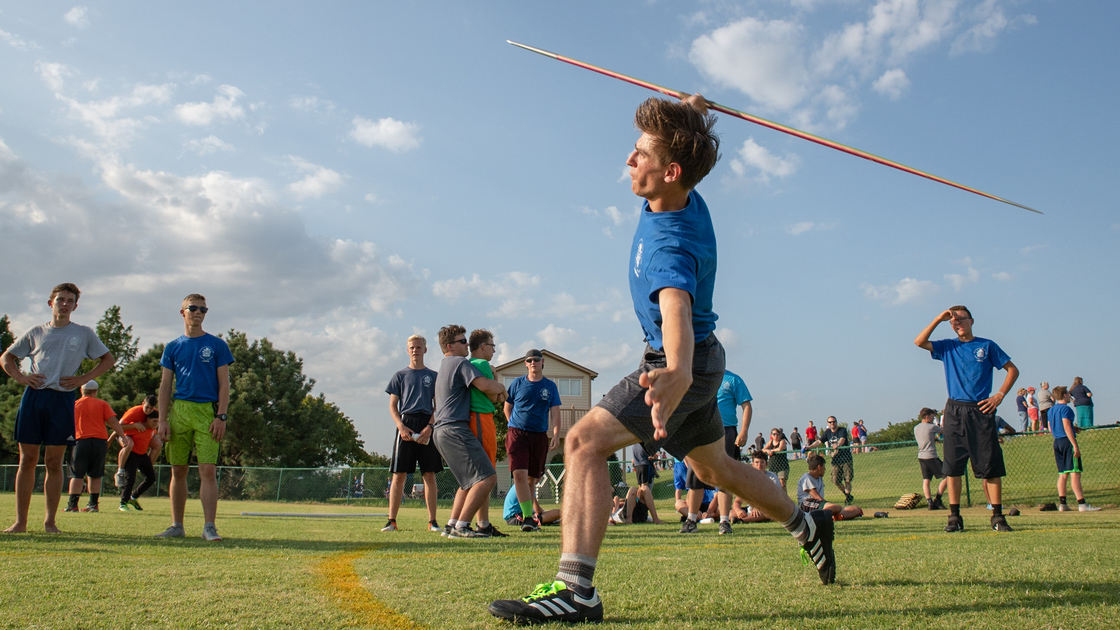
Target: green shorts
point(190, 426)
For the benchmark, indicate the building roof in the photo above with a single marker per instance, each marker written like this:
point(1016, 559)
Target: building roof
point(551, 355)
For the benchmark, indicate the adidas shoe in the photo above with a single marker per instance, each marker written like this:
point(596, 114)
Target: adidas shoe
point(120, 478)
point(135, 505)
point(689, 526)
point(446, 533)
point(175, 531)
point(391, 526)
point(1062, 507)
point(492, 531)
point(90, 508)
point(434, 527)
point(210, 532)
point(550, 602)
point(955, 524)
point(531, 525)
point(817, 548)
point(724, 528)
point(1085, 507)
point(999, 524)
point(616, 517)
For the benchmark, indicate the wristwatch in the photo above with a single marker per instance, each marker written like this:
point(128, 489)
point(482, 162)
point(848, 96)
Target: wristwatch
point(221, 417)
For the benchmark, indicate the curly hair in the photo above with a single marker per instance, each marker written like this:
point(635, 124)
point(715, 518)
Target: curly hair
point(680, 134)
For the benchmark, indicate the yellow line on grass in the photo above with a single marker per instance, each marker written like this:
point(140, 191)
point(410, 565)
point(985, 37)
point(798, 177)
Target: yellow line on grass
point(343, 583)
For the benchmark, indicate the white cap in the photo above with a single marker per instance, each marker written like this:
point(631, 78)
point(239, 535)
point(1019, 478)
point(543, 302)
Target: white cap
point(90, 385)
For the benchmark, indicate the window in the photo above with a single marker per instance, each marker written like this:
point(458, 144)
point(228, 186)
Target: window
point(508, 380)
point(570, 386)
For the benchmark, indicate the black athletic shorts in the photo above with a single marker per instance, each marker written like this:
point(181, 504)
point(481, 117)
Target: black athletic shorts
point(87, 458)
point(693, 482)
point(645, 474)
point(971, 434)
point(406, 455)
point(1063, 457)
point(932, 468)
point(641, 512)
point(729, 435)
point(696, 421)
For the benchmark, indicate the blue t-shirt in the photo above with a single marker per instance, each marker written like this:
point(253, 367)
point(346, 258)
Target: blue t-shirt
point(733, 392)
point(968, 366)
point(195, 362)
point(531, 403)
point(640, 457)
point(674, 250)
point(415, 389)
point(1055, 414)
point(511, 508)
point(680, 481)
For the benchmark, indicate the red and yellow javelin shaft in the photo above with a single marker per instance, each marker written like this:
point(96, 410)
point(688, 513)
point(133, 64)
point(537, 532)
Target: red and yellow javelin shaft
point(772, 125)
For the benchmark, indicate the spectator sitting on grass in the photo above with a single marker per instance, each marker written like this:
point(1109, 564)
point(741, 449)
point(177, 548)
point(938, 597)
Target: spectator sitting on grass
point(1067, 453)
point(641, 494)
point(810, 493)
point(775, 452)
point(512, 512)
point(741, 513)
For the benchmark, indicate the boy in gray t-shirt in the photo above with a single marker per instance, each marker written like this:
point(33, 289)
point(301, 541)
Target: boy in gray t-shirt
point(46, 411)
point(926, 433)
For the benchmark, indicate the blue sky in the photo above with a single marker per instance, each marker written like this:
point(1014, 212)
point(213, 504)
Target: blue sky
point(338, 177)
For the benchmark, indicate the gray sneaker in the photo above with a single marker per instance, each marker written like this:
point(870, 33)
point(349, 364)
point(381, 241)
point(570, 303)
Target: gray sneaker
point(466, 532)
point(120, 478)
point(210, 532)
point(724, 527)
point(1062, 507)
point(175, 531)
point(689, 526)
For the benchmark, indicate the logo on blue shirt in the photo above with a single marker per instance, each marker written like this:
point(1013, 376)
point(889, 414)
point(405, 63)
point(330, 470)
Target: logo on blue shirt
point(545, 394)
point(980, 354)
point(427, 381)
point(638, 260)
point(206, 353)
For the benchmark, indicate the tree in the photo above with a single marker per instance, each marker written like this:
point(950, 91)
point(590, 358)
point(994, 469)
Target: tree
point(128, 386)
point(273, 418)
point(117, 338)
point(10, 393)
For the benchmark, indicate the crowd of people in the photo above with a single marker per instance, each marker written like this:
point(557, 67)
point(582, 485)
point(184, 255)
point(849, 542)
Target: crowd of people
point(1033, 405)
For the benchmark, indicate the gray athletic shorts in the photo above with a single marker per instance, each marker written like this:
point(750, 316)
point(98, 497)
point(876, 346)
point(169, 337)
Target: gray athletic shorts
point(696, 421)
point(463, 453)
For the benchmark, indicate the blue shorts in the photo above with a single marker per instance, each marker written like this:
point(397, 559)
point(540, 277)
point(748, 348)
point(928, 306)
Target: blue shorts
point(1063, 457)
point(45, 416)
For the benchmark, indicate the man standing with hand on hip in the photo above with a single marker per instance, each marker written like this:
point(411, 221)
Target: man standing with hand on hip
point(532, 408)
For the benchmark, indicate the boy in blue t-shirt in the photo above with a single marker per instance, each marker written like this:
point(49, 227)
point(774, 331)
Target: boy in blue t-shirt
point(670, 400)
point(969, 421)
point(1067, 454)
point(195, 417)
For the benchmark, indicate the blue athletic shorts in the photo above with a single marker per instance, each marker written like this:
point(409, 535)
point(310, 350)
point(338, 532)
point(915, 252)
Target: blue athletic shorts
point(45, 416)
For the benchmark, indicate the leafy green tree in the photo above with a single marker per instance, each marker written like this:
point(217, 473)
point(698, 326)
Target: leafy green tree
point(273, 418)
point(901, 432)
point(10, 393)
point(128, 386)
point(117, 337)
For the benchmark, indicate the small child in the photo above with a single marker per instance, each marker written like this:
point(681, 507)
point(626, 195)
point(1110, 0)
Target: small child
point(810, 493)
point(1067, 454)
point(926, 433)
point(748, 514)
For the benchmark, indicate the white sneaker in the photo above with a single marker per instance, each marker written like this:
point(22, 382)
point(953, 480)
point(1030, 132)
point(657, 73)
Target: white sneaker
point(1085, 507)
point(210, 532)
point(120, 478)
point(1062, 507)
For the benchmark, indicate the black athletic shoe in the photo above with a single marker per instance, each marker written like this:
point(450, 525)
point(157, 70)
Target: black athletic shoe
point(550, 602)
point(999, 524)
point(818, 547)
point(724, 527)
point(492, 531)
point(938, 505)
point(956, 524)
point(848, 499)
point(530, 525)
point(689, 527)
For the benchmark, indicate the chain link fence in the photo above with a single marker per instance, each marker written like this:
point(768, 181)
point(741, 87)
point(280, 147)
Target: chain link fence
point(883, 472)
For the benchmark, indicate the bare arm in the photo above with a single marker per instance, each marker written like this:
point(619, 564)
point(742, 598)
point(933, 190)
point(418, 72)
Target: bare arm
point(218, 427)
point(554, 426)
point(816, 495)
point(922, 340)
point(668, 385)
point(744, 425)
point(989, 405)
point(104, 363)
point(394, 412)
point(488, 386)
point(1071, 433)
point(165, 381)
point(10, 363)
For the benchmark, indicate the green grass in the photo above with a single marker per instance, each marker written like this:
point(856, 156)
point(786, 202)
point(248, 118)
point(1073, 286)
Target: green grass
point(1058, 570)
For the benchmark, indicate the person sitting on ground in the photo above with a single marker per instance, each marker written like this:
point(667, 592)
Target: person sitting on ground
point(1067, 453)
point(511, 512)
point(641, 494)
point(741, 513)
point(810, 493)
point(775, 452)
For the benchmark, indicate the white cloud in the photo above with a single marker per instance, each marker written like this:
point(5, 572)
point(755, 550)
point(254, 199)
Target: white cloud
point(78, 16)
point(17, 42)
point(319, 180)
point(513, 308)
point(958, 281)
point(905, 291)
point(1030, 249)
point(386, 132)
point(989, 22)
point(209, 144)
point(802, 227)
point(757, 157)
point(729, 338)
point(223, 108)
point(556, 338)
point(53, 74)
point(105, 118)
point(763, 59)
point(508, 285)
point(892, 84)
point(1002, 276)
point(373, 198)
point(612, 214)
point(311, 104)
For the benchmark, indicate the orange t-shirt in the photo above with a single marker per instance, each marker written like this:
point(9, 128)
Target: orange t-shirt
point(90, 415)
point(141, 440)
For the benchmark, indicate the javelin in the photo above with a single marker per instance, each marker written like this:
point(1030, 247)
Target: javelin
point(771, 124)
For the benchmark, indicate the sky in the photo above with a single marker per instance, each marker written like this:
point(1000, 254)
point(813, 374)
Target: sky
point(339, 176)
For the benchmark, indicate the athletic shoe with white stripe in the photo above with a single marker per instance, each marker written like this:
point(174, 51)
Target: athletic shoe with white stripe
point(550, 602)
point(818, 546)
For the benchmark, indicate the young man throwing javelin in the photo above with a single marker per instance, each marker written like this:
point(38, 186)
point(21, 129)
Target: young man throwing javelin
point(969, 422)
point(670, 401)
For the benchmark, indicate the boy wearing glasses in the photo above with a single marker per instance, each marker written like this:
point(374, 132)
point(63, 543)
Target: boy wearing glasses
point(197, 364)
point(532, 408)
point(46, 411)
point(670, 401)
point(463, 452)
point(969, 420)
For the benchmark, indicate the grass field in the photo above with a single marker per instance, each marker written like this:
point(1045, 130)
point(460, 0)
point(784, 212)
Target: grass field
point(1058, 570)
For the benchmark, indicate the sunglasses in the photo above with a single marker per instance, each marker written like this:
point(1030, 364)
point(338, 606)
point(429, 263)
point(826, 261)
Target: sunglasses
point(534, 360)
point(194, 307)
point(462, 341)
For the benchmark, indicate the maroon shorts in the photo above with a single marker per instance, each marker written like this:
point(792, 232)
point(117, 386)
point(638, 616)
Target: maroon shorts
point(527, 450)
